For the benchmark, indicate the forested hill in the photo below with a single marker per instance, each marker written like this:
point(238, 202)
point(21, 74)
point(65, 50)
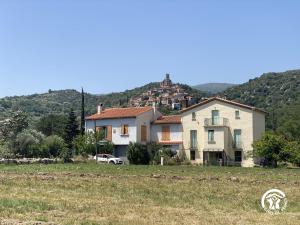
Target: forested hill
point(60, 102)
point(278, 93)
point(213, 88)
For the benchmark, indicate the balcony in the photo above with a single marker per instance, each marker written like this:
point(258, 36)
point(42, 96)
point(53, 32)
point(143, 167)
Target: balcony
point(209, 122)
point(193, 145)
point(238, 144)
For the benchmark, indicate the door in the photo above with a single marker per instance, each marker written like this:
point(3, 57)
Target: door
point(215, 117)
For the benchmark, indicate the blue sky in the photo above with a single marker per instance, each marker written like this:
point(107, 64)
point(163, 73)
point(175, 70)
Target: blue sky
point(112, 45)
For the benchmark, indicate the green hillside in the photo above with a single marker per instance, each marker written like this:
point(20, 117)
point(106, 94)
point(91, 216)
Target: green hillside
point(60, 102)
point(277, 93)
point(213, 88)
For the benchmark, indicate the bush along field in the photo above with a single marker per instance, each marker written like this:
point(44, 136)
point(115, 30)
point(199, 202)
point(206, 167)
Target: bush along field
point(89, 193)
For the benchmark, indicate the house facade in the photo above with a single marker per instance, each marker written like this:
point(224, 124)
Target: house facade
point(219, 131)
point(215, 131)
point(167, 131)
point(123, 125)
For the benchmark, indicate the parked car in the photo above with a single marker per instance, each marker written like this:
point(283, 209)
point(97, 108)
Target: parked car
point(107, 158)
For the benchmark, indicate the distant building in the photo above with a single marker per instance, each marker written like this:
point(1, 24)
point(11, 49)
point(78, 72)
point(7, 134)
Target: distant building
point(166, 83)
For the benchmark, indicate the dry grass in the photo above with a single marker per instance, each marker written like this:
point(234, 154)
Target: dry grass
point(102, 194)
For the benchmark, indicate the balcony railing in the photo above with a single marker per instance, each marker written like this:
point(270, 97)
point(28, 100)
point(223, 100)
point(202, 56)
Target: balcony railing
point(216, 121)
point(193, 145)
point(238, 144)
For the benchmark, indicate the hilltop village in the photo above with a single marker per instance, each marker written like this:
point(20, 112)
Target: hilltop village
point(167, 94)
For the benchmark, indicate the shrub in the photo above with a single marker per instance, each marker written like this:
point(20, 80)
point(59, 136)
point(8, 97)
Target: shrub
point(107, 148)
point(138, 154)
point(163, 152)
point(6, 152)
point(275, 148)
point(27, 143)
point(153, 148)
point(66, 155)
point(84, 145)
point(52, 146)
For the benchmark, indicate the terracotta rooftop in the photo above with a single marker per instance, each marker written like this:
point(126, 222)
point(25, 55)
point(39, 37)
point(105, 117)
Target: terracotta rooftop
point(116, 113)
point(225, 101)
point(170, 142)
point(168, 120)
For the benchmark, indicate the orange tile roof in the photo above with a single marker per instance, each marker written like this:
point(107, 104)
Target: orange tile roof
point(176, 119)
point(225, 101)
point(116, 113)
point(170, 142)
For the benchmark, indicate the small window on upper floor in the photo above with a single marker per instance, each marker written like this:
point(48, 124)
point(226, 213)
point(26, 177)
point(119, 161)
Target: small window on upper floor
point(193, 116)
point(237, 114)
point(124, 129)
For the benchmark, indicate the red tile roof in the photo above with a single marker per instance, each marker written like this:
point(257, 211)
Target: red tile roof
point(176, 119)
point(116, 113)
point(170, 142)
point(225, 101)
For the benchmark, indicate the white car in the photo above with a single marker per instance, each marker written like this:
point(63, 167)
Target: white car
point(107, 158)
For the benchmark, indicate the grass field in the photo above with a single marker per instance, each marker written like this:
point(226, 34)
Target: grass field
point(104, 194)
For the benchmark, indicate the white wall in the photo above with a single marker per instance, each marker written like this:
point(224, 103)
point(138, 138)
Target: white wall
point(246, 123)
point(116, 124)
point(175, 132)
point(146, 119)
point(134, 129)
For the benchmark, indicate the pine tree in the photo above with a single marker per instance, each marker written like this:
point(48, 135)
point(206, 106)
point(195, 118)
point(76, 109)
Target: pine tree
point(82, 121)
point(71, 129)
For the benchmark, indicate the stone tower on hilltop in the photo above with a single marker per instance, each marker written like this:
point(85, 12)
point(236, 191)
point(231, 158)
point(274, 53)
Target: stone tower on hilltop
point(166, 83)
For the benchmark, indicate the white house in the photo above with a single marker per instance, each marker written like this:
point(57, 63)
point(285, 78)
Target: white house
point(123, 125)
point(167, 131)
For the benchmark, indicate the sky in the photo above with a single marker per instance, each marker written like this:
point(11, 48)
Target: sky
point(108, 45)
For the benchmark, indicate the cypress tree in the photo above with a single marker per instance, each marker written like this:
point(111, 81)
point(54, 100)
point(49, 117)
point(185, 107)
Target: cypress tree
point(82, 121)
point(71, 129)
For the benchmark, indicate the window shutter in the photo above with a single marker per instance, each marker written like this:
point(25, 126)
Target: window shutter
point(109, 133)
point(144, 133)
point(165, 133)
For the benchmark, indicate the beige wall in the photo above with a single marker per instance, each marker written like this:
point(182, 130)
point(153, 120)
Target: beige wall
point(251, 123)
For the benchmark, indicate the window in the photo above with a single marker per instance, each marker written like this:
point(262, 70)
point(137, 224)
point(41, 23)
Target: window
point(193, 139)
point(193, 155)
point(215, 117)
point(144, 133)
point(193, 116)
point(237, 114)
point(237, 138)
point(102, 131)
point(238, 156)
point(124, 129)
point(211, 136)
point(165, 133)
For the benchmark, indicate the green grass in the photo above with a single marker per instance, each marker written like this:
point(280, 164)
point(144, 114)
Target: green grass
point(105, 194)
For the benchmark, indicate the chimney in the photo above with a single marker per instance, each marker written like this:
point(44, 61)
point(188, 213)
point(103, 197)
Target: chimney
point(100, 108)
point(154, 107)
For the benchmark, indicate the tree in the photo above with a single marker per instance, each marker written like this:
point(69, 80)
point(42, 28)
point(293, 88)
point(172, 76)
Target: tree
point(71, 129)
point(52, 125)
point(82, 121)
point(269, 147)
point(12, 126)
point(276, 148)
point(84, 144)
